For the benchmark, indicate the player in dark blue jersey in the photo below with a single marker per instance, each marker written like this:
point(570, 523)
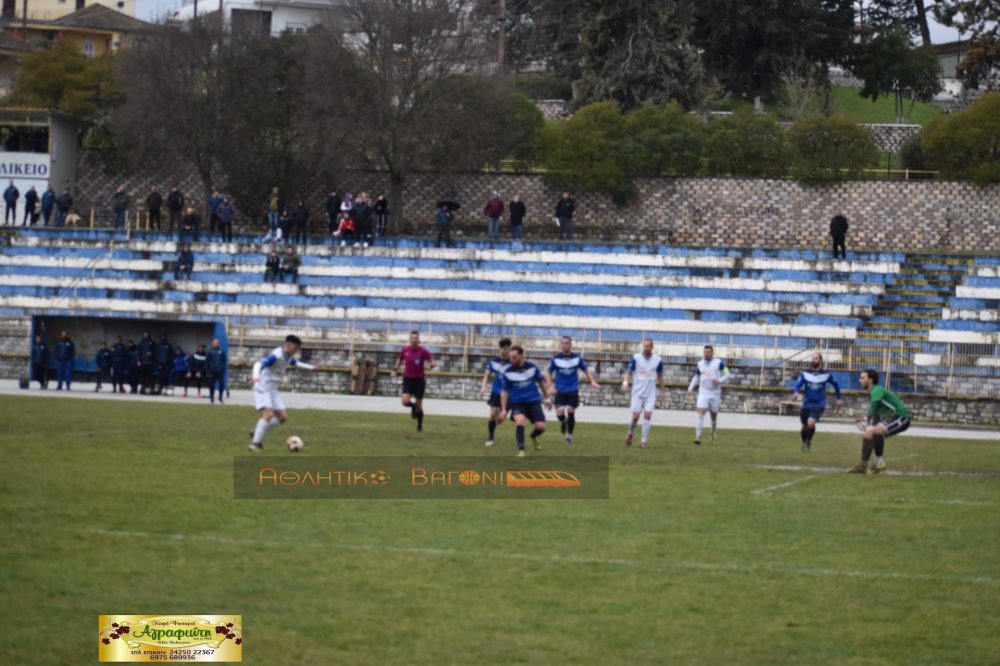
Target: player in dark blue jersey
point(495, 367)
point(814, 381)
point(520, 384)
point(564, 376)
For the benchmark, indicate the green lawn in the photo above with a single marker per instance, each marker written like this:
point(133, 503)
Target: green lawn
point(848, 102)
point(121, 507)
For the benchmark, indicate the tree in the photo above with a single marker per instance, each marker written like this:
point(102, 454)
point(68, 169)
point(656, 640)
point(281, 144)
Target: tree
point(748, 45)
point(637, 51)
point(981, 20)
point(966, 144)
point(405, 87)
point(746, 143)
point(539, 31)
point(662, 140)
point(911, 15)
point(828, 148)
point(889, 65)
point(62, 78)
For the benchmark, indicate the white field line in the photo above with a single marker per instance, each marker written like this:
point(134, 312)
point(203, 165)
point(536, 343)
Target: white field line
point(890, 500)
point(891, 472)
point(767, 490)
point(733, 567)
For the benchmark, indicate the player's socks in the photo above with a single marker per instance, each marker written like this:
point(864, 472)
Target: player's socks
point(878, 443)
point(261, 430)
point(570, 422)
point(632, 425)
point(492, 428)
point(535, 434)
point(646, 425)
point(519, 435)
point(699, 425)
point(562, 423)
point(420, 421)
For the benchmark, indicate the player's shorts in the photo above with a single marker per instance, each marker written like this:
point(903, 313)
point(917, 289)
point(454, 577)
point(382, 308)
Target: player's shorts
point(532, 411)
point(896, 425)
point(712, 403)
point(267, 398)
point(494, 400)
point(814, 413)
point(642, 403)
point(415, 386)
point(570, 399)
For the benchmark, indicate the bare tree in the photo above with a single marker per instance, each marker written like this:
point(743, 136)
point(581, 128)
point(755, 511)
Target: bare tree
point(404, 85)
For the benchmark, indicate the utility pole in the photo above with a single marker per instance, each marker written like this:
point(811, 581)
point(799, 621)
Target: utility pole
point(501, 35)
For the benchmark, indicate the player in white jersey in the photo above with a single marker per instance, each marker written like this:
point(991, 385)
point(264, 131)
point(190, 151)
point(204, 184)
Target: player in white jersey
point(709, 376)
point(267, 375)
point(646, 372)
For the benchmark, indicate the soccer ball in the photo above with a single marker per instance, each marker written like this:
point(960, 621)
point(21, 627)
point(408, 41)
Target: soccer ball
point(295, 444)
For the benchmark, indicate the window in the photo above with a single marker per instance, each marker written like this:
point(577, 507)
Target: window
point(89, 48)
point(295, 28)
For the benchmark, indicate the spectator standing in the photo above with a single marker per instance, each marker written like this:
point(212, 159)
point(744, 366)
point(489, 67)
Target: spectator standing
point(215, 370)
point(103, 362)
point(493, 210)
point(64, 204)
point(285, 226)
point(154, 202)
point(226, 213)
point(290, 264)
point(119, 204)
point(164, 359)
point(65, 356)
point(444, 219)
point(195, 370)
point(133, 367)
point(119, 365)
point(213, 210)
point(30, 202)
point(272, 267)
point(273, 206)
point(185, 263)
point(40, 362)
point(48, 204)
point(347, 205)
point(333, 212)
point(175, 205)
point(565, 208)
point(147, 359)
point(189, 225)
point(300, 222)
point(10, 197)
point(381, 216)
point(517, 213)
point(179, 366)
point(838, 231)
point(363, 220)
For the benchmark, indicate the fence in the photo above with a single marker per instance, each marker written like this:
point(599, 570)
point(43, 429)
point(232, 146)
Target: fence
point(907, 362)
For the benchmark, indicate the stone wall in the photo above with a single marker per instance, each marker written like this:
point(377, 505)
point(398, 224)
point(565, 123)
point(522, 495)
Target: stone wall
point(890, 137)
point(884, 215)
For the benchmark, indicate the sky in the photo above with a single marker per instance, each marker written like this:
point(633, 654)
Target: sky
point(151, 10)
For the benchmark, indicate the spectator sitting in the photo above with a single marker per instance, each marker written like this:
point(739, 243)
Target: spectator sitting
point(185, 263)
point(272, 268)
point(346, 229)
point(290, 265)
point(71, 220)
point(189, 225)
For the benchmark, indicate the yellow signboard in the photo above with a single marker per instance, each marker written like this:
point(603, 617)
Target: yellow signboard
point(168, 638)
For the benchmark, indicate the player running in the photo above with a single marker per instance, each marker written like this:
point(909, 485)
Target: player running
point(645, 370)
point(564, 377)
point(887, 416)
point(519, 394)
point(709, 376)
point(416, 359)
point(267, 376)
point(814, 381)
point(495, 367)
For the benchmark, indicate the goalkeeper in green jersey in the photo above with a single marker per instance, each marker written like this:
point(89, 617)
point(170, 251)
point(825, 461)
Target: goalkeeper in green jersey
point(887, 416)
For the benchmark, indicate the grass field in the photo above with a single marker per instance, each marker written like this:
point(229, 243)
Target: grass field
point(860, 109)
point(699, 557)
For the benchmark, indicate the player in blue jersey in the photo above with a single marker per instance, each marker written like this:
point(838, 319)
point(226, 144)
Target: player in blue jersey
point(814, 381)
point(495, 368)
point(564, 376)
point(519, 393)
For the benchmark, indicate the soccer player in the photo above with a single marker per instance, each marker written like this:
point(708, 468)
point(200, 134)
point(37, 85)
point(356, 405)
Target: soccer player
point(415, 359)
point(519, 394)
point(564, 377)
point(495, 367)
point(709, 376)
point(814, 381)
point(267, 375)
point(887, 416)
point(645, 370)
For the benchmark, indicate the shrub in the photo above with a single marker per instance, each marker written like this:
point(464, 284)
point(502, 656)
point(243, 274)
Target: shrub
point(829, 148)
point(662, 141)
point(745, 143)
point(966, 144)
